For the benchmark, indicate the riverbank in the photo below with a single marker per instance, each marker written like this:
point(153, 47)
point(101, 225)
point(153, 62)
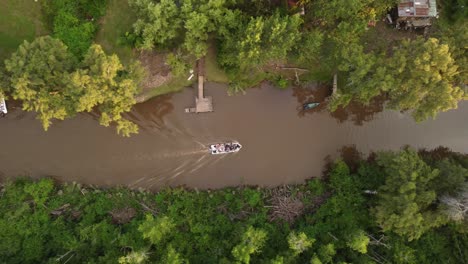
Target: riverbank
point(171, 148)
point(344, 218)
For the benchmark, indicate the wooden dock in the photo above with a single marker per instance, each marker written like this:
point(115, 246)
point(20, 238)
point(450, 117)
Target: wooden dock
point(202, 104)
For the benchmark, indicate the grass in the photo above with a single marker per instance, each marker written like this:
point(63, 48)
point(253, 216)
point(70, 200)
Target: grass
point(19, 20)
point(212, 70)
point(118, 20)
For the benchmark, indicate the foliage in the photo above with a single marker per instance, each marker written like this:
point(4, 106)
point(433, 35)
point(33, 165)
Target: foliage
point(309, 48)
point(456, 206)
point(420, 76)
point(48, 80)
point(258, 41)
point(74, 22)
point(424, 73)
point(184, 24)
point(455, 36)
point(45, 222)
point(453, 11)
point(156, 229)
point(178, 65)
point(252, 240)
point(406, 198)
point(299, 243)
point(329, 13)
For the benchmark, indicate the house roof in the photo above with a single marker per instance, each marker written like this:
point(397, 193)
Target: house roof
point(417, 8)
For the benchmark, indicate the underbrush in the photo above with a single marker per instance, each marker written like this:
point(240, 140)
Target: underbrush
point(74, 22)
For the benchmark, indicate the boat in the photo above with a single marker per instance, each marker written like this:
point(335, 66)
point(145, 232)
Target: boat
point(3, 107)
point(308, 106)
point(224, 148)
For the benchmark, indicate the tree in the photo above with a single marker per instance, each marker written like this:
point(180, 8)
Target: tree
point(252, 44)
point(113, 88)
point(252, 240)
point(359, 241)
point(420, 76)
point(451, 178)
point(328, 13)
point(158, 23)
point(456, 207)
point(156, 229)
point(172, 257)
point(134, 257)
point(299, 242)
point(455, 36)
point(424, 73)
point(405, 200)
point(37, 73)
point(74, 22)
point(48, 80)
point(187, 24)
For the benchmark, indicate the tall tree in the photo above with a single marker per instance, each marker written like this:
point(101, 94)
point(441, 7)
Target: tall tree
point(250, 45)
point(424, 73)
point(421, 76)
point(48, 80)
point(252, 241)
point(184, 23)
point(405, 200)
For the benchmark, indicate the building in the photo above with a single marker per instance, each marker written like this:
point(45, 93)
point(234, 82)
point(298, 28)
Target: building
point(417, 8)
point(416, 13)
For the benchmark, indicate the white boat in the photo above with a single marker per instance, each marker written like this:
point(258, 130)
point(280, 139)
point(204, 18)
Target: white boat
point(224, 148)
point(3, 108)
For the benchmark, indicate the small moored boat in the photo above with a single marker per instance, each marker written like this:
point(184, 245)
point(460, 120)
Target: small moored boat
point(3, 108)
point(224, 148)
point(308, 106)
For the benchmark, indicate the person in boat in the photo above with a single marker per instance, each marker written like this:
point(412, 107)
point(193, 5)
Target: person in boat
point(220, 147)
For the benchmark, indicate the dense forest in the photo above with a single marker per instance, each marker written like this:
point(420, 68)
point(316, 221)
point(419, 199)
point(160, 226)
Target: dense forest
point(69, 73)
point(392, 207)
point(60, 58)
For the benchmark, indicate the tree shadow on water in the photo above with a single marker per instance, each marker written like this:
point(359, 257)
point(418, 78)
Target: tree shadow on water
point(356, 112)
point(349, 154)
point(359, 113)
point(150, 114)
point(315, 93)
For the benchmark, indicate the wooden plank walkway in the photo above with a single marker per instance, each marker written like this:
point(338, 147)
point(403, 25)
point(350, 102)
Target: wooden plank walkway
point(202, 104)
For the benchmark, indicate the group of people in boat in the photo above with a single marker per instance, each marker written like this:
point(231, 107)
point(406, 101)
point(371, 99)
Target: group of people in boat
point(227, 147)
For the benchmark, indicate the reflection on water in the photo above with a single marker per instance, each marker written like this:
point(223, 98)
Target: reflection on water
point(359, 113)
point(280, 144)
point(355, 112)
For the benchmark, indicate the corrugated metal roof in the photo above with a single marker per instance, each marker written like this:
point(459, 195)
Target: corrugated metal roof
point(417, 8)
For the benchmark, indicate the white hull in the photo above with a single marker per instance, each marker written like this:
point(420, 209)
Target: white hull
point(225, 148)
point(3, 108)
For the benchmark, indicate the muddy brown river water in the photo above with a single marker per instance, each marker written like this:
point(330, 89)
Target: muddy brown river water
point(280, 144)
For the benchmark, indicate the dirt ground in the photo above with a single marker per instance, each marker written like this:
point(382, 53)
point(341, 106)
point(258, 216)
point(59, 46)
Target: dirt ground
point(383, 37)
point(158, 72)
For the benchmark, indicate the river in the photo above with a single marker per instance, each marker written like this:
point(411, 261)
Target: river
point(280, 144)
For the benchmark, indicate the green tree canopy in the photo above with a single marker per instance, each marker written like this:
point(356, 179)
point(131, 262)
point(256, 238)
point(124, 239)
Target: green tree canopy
point(48, 80)
point(330, 12)
point(253, 43)
point(252, 241)
point(184, 23)
point(424, 73)
point(405, 200)
point(420, 76)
